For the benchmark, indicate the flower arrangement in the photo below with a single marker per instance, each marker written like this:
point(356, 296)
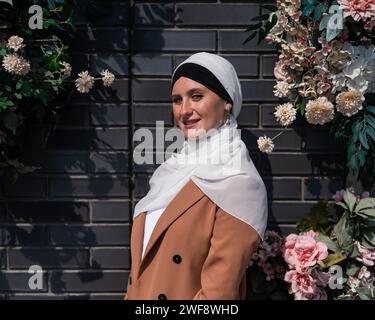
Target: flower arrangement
point(326, 259)
point(325, 71)
point(34, 69)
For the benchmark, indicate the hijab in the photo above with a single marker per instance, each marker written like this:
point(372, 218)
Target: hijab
point(218, 161)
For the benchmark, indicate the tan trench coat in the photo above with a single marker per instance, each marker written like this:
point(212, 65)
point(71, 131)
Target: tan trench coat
point(196, 251)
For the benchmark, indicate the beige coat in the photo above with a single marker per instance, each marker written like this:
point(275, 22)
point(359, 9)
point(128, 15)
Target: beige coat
point(196, 251)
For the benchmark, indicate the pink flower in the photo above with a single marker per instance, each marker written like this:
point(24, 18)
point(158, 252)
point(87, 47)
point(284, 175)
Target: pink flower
point(366, 256)
point(279, 71)
point(310, 233)
point(303, 251)
point(358, 9)
point(302, 283)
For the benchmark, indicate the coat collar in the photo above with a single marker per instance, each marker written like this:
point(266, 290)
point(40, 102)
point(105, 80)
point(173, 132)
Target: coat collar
point(184, 199)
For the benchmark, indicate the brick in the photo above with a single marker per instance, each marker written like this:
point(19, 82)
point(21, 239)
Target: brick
point(109, 162)
point(89, 281)
point(109, 114)
point(48, 258)
point(302, 164)
point(3, 258)
point(110, 258)
point(117, 92)
point(147, 14)
point(174, 40)
point(99, 39)
point(3, 212)
point(90, 235)
point(215, 14)
point(48, 211)
point(149, 114)
point(286, 188)
point(24, 187)
point(258, 90)
point(103, 296)
point(56, 162)
point(108, 13)
point(117, 63)
point(248, 116)
point(15, 235)
point(151, 64)
point(319, 188)
point(19, 281)
point(141, 185)
point(232, 41)
point(156, 139)
point(89, 187)
point(101, 139)
point(268, 65)
point(151, 90)
point(110, 211)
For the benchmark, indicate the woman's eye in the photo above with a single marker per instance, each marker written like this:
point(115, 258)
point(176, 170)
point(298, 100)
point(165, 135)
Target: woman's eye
point(176, 100)
point(197, 96)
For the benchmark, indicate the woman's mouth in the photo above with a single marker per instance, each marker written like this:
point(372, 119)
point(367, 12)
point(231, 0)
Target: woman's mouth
point(190, 123)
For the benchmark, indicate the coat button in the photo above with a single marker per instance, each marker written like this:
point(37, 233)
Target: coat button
point(162, 297)
point(130, 280)
point(177, 258)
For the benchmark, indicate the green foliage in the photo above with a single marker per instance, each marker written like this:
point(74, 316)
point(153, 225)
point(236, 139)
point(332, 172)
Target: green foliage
point(22, 96)
point(263, 24)
point(318, 219)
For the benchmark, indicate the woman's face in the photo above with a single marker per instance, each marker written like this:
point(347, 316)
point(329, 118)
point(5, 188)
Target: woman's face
point(197, 109)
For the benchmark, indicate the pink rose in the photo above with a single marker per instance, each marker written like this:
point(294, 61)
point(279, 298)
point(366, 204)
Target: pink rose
point(303, 251)
point(302, 283)
point(279, 71)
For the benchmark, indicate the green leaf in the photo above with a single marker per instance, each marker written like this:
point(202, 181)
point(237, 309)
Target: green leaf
point(368, 212)
point(333, 258)
point(370, 120)
point(9, 120)
point(261, 17)
point(363, 140)
point(18, 95)
point(254, 26)
point(322, 7)
point(371, 132)
point(365, 293)
point(331, 245)
point(3, 52)
point(270, 7)
point(350, 200)
point(343, 205)
point(352, 269)
point(344, 234)
point(250, 37)
point(370, 109)
point(368, 234)
point(365, 203)
point(307, 11)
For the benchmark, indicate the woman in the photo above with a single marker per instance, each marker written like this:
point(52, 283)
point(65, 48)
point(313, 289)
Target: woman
point(195, 231)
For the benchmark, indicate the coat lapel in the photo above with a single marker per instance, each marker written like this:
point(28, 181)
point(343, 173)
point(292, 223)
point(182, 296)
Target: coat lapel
point(184, 199)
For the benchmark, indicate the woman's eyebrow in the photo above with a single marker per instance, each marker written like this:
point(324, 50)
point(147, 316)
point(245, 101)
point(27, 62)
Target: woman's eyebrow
point(190, 91)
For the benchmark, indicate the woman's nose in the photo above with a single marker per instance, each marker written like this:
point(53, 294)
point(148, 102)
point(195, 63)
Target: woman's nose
point(186, 107)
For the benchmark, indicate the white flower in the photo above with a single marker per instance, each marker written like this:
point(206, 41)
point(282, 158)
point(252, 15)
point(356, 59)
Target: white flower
point(15, 64)
point(285, 114)
point(67, 70)
point(319, 111)
point(108, 78)
point(349, 102)
point(85, 82)
point(281, 89)
point(265, 144)
point(15, 43)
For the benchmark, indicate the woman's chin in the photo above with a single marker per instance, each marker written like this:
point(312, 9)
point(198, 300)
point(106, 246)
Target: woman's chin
point(192, 133)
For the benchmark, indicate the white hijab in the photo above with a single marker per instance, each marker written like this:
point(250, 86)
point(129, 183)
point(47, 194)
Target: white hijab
point(217, 162)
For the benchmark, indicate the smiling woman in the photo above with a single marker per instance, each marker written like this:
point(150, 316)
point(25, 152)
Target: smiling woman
point(195, 231)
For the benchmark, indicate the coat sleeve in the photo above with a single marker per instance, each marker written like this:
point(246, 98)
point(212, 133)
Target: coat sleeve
point(232, 244)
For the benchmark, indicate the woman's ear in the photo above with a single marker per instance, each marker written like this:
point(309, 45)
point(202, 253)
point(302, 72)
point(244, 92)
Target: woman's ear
point(228, 106)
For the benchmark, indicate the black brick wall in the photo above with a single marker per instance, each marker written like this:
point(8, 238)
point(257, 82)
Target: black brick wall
point(73, 216)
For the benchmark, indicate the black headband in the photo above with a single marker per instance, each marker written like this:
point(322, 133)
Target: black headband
point(202, 75)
